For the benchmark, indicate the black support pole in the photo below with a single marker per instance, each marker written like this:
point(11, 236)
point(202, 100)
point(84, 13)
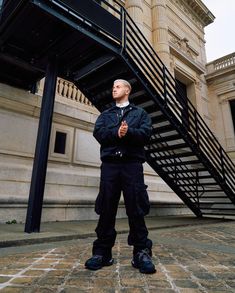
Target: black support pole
point(35, 201)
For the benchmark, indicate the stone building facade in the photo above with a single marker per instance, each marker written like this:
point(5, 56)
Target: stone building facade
point(175, 28)
point(220, 79)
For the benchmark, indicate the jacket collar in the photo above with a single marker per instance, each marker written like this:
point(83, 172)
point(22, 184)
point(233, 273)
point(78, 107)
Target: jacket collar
point(122, 105)
point(115, 108)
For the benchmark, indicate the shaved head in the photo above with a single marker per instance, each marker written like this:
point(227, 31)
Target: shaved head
point(125, 82)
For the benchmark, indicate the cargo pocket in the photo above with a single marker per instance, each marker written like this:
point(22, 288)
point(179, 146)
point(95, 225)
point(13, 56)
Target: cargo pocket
point(100, 199)
point(142, 200)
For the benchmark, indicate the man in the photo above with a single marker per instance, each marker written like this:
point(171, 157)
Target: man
point(122, 132)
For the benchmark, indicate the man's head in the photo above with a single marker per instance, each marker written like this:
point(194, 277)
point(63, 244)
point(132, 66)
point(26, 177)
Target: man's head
point(121, 90)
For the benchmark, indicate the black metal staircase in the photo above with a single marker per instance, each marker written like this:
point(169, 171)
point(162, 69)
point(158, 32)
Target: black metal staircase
point(98, 43)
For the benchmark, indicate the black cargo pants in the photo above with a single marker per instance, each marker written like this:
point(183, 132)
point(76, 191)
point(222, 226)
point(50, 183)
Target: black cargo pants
point(116, 177)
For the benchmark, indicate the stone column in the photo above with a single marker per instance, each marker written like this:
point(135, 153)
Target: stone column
point(160, 31)
point(135, 9)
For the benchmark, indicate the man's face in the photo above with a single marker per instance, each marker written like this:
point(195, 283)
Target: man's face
point(120, 91)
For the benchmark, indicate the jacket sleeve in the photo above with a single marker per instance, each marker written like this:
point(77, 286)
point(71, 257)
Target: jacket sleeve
point(142, 134)
point(105, 135)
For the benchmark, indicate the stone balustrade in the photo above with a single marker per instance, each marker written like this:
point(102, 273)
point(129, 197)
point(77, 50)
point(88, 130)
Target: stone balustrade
point(69, 91)
point(221, 63)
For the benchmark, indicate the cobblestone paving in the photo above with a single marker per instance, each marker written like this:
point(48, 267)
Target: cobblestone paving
point(189, 260)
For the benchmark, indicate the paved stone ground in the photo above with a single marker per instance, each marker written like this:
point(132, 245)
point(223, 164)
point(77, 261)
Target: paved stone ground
point(188, 260)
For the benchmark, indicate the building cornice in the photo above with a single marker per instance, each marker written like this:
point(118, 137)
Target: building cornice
point(201, 10)
point(196, 11)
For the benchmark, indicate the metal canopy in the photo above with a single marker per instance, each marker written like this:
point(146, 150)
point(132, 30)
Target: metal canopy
point(31, 31)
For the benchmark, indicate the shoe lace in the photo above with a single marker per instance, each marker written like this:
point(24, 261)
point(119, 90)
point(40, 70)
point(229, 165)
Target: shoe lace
point(97, 257)
point(144, 255)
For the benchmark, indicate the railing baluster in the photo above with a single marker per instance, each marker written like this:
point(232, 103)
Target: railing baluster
point(222, 164)
point(123, 19)
point(164, 85)
point(196, 129)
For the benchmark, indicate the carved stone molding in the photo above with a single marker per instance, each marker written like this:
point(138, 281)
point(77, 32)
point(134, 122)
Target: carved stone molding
point(181, 48)
point(225, 97)
point(183, 45)
point(196, 11)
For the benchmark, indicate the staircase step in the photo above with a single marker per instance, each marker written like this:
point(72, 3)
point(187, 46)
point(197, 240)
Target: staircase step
point(219, 215)
point(152, 109)
point(156, 153)
point(181, 163)
point(171, 156)
point(219, 209)
point(93, 66)
point(212, 190)
point(158, 119)
point(170, 147)
point(187, 171)
point(216, 197)
point(163, 129)
point(197, 184)
point(210, 197)
point(139, 97)
point(214, 204)
point(201, 189)
point(166, 138)
point(194, 177)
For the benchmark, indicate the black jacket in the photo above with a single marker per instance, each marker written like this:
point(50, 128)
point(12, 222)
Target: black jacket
point(131, 146)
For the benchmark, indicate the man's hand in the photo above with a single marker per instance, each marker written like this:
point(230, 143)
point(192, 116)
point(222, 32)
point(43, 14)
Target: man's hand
point(122, 131)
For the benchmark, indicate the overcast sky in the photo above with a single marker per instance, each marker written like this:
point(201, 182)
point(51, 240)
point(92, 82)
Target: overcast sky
point(220, 36)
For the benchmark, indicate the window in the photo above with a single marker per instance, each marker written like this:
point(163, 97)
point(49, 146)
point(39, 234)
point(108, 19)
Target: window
point(232, 107)
point(60, 142)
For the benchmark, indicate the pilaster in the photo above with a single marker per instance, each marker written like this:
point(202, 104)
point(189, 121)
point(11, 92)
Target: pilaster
point(160, 31)
point(135, 9)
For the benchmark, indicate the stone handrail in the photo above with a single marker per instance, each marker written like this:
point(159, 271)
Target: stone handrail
point(69, 91)
point(221, 63)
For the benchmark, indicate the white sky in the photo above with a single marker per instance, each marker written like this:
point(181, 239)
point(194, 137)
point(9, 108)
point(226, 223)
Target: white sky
point(219, 35)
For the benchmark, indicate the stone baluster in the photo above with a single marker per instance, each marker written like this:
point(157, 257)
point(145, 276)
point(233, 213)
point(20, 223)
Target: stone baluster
point(69, 91)
point(65, 89)
point(74, 93)
point(60, 86)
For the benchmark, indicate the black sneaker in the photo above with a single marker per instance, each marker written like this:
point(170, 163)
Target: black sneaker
point(142, 261)
point(96, 262)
